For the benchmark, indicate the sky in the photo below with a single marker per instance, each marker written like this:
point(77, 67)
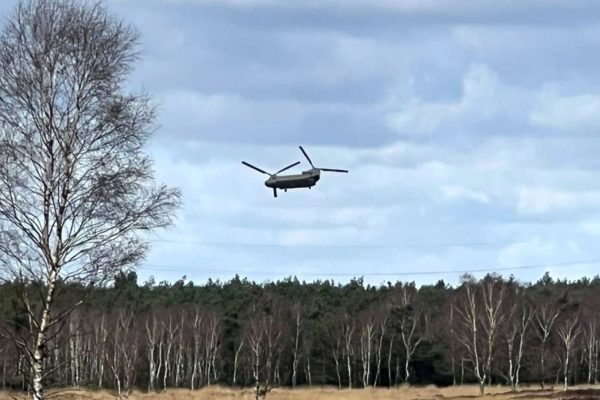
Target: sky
point(470, 129)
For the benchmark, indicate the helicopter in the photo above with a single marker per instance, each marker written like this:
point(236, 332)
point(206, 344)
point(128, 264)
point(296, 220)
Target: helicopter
point(307, 179)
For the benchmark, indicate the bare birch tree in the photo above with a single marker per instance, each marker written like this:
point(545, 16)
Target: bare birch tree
point(383, 321)
point(254, 336)
point(544, 320)
point(412, 336)
point(479, 311)
point(195, 356)
point(211, 347)
point(170, 330)
point(568, 331)
point(348, 327)
point(100, 341)
point(590, 330)
point(236, 360)
point(76, 188)
point(389, 359)
point(367, 333)
point(152, 337)
point(411, 322)
point(590, 333)
point(518, 322)
point(336, 351)
point(296, 343)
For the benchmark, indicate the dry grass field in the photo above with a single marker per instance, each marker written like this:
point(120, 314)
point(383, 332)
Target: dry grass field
point(408, 393)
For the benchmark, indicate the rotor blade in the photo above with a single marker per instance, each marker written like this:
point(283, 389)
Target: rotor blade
point(307, 157)
point(334, 170)
point(288, 167)
point(256, 168)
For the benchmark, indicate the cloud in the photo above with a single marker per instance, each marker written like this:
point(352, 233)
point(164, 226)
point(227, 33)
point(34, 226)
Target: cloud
point(231, 118)
point(540, 252)
point(483, 11)
point(460, 122)
point(545, 200)
point(485, 105)
point(575, 113)
point(457, 193)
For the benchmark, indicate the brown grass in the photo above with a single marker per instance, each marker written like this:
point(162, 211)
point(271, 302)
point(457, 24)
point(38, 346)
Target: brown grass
point(405, 392)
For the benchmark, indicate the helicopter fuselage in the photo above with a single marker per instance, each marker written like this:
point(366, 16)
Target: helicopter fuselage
point(306, 179)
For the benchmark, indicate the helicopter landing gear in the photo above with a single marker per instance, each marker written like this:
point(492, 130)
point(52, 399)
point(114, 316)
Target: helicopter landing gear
point(274, 192)
point(285, 190)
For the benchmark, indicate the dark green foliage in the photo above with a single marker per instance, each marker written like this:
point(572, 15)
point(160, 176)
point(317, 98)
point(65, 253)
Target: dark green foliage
point(235, 310)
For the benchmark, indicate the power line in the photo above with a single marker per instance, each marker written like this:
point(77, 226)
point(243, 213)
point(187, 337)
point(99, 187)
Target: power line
point(393, 273)
point(332, 245)
point(358, 245)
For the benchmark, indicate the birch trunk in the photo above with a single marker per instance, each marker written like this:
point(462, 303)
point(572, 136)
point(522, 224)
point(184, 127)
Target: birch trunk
point(337, 367)
point(591, 349)
point(389, 361)
point(308, 371)
point(196, 347)
point(545, 321)
point(468, 313)
point(452, 350)
point(510, 340)
point(101, 354)
point(568, 332)
point(179, 349)
point(296, 359)
point(526, 319)
point(348, 332)
point(366, 340)
point(152, 337)
point(171, 331)
point(37, 362)
point(407, 333)
point(235, 361)
point(382, 329)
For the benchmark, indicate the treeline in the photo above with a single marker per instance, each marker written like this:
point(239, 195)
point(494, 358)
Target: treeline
point(288, 333)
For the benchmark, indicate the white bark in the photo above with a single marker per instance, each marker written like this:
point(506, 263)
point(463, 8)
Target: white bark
point(152, 333)
point(544, 319)
point(382, 330)
point(468, 312)
point(389, 360)
point(591, 343)
point(515, 338)
point(308, 371)
point(334, 350)
point(171, 331)
point(236, 360)
point(348, 329)
point(493, 318)
point(37, 362)
point(101, 342)
point(366, 342)
point(410, 340)
point(114, 359)
point(568, 332)
point(255, 338)
point(179, 351)
point(197, 322)
point(296, 359)
point(526, 318)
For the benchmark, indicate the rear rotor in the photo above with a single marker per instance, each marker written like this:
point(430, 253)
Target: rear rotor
point(322, 169)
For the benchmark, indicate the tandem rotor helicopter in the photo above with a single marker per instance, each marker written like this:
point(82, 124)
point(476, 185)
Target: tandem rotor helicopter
point(306, 179)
